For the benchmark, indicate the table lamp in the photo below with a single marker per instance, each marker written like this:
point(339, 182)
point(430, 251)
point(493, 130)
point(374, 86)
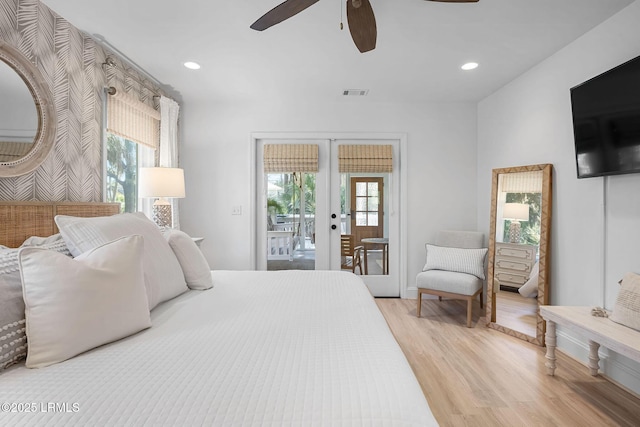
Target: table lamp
point(161, 183)
point(515, 212)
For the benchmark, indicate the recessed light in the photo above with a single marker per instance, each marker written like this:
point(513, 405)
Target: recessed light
point(470, 66)
point(192, 65)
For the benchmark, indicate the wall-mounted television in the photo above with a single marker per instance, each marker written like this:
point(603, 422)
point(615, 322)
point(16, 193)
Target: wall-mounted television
point(606, 122)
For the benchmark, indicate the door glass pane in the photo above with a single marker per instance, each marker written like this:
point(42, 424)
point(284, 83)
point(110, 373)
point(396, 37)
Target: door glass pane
point(373, 219)
point(370, 227)
point(361, 203)
point(290, 221)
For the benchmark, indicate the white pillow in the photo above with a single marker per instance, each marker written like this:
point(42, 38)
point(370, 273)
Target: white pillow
point(194, 265)
point(530, 288)
point(162, 273)
point(74, 305)
point(460, 260)
point(626, 311)
point(13, 340)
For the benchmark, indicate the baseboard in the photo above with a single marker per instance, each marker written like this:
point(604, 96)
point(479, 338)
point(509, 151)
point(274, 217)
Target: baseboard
point(412, 292)
point(615, 367)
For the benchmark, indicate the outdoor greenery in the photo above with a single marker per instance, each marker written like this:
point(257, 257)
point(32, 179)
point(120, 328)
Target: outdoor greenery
point(122, 172)
point(291, 185)
point(287, 200)
point(530, 230)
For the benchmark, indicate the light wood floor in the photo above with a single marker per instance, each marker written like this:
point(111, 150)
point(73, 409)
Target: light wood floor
point(517, 312)
point(481, 377)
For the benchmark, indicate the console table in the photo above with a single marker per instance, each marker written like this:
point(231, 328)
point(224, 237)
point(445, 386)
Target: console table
point(598, 330)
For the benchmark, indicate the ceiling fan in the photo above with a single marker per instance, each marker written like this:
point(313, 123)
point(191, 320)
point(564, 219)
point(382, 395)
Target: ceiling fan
point(360, 17)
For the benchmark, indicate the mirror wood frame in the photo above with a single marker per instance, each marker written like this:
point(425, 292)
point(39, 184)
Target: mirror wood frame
point(39, 89)
point(545, 228)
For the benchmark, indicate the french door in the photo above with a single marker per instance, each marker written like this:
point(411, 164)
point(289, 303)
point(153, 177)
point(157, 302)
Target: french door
point(302, 216)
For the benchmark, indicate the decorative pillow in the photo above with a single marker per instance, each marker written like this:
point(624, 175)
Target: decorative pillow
point(13, 340)
point(626, 311)
point(460, 260)
point(194, 265)
point(530, 288)
point(74, 305)
point(162, 273)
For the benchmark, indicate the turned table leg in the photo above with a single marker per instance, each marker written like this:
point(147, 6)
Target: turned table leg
point(594, 359)
point(550, 340)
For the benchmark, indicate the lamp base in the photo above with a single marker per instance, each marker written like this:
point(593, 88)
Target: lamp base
point(514, 232)
point(162, 213)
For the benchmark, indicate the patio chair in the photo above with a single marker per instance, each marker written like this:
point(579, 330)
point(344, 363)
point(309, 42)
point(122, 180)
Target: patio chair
point(350, 255)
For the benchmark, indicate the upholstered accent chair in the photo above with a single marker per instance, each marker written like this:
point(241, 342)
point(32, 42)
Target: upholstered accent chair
point(350, 257)
point(455, 268)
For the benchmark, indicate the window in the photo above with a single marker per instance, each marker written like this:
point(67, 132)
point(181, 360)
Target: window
point(122, 172)
point(133, 133)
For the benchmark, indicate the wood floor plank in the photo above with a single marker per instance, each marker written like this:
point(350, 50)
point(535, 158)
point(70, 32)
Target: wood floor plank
point(481, 377)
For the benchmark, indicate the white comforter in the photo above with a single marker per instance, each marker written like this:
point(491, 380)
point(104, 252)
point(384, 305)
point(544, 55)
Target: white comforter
point(259, 349)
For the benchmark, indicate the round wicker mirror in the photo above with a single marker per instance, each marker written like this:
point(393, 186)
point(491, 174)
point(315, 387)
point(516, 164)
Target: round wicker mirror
point(24, 148)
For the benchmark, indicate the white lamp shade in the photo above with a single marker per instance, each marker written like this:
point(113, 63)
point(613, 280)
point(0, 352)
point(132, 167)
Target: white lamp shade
point(161, 182)
point(516, 211)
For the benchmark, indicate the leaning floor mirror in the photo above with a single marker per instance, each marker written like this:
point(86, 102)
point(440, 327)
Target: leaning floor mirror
point(518, 265)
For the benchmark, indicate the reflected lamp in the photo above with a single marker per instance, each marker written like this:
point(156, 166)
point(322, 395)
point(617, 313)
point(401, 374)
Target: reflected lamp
point(515, 212)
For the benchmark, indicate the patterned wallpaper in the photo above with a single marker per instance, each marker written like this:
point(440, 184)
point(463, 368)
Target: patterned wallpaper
point(71, 63)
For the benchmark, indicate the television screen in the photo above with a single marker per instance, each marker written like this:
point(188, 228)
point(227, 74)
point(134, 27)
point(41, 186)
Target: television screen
point(606, 122)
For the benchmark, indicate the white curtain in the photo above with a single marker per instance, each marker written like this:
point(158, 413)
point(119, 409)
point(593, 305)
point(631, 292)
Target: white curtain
point(169, 112)
point(146, 159)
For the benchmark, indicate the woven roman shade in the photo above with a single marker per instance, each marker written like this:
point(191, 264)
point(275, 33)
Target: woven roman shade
point(132, 119)
point(521, 182)
point(365, 158)
point(290, 158)
point(10, 151)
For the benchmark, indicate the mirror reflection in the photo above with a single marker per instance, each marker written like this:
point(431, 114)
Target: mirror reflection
point(18, 116)
point(518, 250)
point(516, 256)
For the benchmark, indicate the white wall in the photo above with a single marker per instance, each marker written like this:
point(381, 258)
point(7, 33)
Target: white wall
point(528, 122)
point(216, 159)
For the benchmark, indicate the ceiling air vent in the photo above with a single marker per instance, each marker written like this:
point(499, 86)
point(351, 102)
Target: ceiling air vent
point(355, 92)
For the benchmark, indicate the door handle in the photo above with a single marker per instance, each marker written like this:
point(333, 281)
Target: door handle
point(333, 227)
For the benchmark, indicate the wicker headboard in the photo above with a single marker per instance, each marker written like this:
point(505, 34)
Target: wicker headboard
point(20, 220)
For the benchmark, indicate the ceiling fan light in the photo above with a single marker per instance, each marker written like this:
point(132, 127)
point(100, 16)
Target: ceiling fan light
point(470, 66)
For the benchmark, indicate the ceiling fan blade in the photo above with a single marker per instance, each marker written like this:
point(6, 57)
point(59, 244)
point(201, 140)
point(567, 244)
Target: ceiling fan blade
point(362, 24)
point(281, 12)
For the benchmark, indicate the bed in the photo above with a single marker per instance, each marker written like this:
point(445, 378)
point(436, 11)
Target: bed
point(259, 348)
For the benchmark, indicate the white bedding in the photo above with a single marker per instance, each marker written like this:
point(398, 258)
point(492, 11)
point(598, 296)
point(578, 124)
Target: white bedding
point(260, 348)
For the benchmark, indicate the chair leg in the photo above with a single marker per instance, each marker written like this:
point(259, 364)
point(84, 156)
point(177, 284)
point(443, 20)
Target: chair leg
point(480, 299)
point(439, 298)
point(419, 303)
point(359, 265)
point(469, 311)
